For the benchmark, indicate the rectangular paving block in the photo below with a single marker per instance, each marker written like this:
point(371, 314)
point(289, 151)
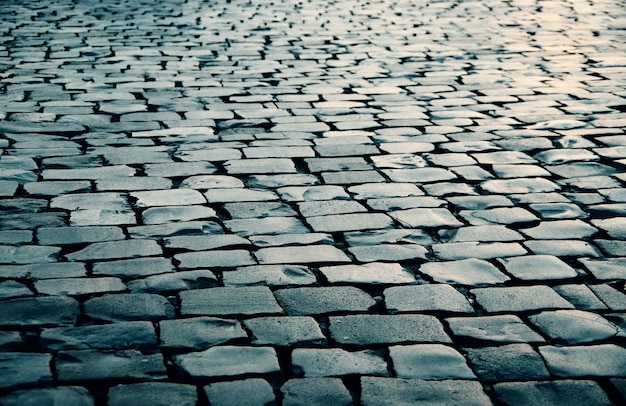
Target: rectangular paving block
point(519, 298)
point(228, 361)
point(229, 301)
point(91, 365)
point(380, 391)
point(376, 329)
point(311, 254)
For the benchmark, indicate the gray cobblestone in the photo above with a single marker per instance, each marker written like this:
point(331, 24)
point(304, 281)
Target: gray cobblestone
point(376, 391)
point(68, 395)
point(90, 365)
point(229, 301)
point(155, 393)
point(566, 392)
point(455, 162)
point(315, 391)
point(248, 392)
point(229, 361)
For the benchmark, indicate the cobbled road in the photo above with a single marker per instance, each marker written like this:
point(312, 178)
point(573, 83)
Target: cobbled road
point(355, 202)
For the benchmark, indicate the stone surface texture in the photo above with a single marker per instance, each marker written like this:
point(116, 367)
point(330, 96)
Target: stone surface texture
point(356, 202)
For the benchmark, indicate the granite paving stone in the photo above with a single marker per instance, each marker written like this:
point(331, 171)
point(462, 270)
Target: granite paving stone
point(574, 326)
point(198, 332)
point(170, 214)
point(378, 390)
point(499, 215)
point(504, 328)
point(175, 228)
point(77, 286)
point(315, 392)
point(271, 275)
point(562, 248)
point(425, 218)
point(373, 273)
point(607, 269)
point(376, 329)
point(266, 225)
point(308, 254)
point(516, 298)
point(322, 362)
point(426, 298)
point(214, 259)
point(128, 306)
point(78, 235)
point(28, 254)
point(476, 249)
point(429, 361)
point(173, 281)
point(133, 268)
point(39, 311)
point(509, 362)
point(11, 289)
point(91, 365)
point(562, 392)
point(581, 361)
point(213, 202)
point(19, 368)
point(538, 267)
point(228, 361)
point(292, 331)
point(472, 272)
point(246, 392)
point(349, 222)
point(580, 296)
point(116, 249)
point(251, 210)
point(155, 393)
point(121, 335)
point(323, 300)
point(68, 395)
point(480, 233)
point(229, 301)
point(50, 270)
point(561, 230)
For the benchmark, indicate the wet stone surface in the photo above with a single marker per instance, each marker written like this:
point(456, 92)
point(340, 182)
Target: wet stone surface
point(290, 203)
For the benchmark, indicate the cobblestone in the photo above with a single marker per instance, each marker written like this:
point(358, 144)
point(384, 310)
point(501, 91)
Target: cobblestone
point(367, 202)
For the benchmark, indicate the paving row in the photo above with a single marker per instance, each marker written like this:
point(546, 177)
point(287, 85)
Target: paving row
point(318, 202)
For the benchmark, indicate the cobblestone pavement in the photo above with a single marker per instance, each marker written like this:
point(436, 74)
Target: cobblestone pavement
point(362, 202)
